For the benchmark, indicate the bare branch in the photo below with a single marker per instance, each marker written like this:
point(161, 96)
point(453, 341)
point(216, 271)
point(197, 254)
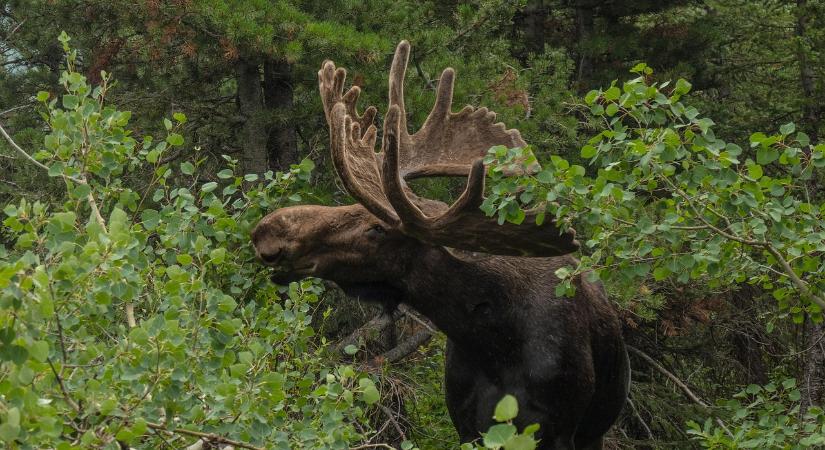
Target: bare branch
point(405, 348)
point(679, 383)
point(26, 155)
point(409, 312)
point(63, 389)
point(18, 107)
point(800, 285)
point(209, 437)
point(365, 446)
point(375, 325)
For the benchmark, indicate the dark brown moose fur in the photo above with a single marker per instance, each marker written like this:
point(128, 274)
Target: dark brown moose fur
point(562, 358)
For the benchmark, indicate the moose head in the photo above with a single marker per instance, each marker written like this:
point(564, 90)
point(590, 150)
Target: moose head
point(392, 224)
point(487, 286)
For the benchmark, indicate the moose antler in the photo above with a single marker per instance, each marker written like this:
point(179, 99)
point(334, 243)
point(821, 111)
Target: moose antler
point(449, 144)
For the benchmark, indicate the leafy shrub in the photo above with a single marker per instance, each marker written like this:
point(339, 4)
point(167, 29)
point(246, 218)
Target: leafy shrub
point(766, 417)
point(133, 312)
point(665, 198)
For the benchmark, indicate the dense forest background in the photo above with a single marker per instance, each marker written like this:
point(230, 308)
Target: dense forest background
point(231, 87)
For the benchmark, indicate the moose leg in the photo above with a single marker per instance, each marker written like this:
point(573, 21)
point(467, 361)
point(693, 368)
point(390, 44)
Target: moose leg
point(598, 445)
point(468, 395)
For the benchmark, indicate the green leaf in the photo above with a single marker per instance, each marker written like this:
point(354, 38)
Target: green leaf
point(787, 129)
point(187, 168)
point(682, 87)
point(42, 96)
point(70, 101)
point(180, 117)
point(639, 68)
point(498, 435)
point(56, 169)
point(755, 171)
point(612, 94)
point(209, 187)
point(14, 353)
point(612, 109)
point(350, 349)
point(370, 394)
point(520, 442)
point(174, 139)
point(591, 97)
point(39, 350)
point(167, 123)
point(184, 259)
point(506, 409)
point(660, 273)
point(766, 155)
point(9, 432)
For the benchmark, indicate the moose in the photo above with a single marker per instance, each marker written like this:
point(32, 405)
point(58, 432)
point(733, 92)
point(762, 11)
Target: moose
point(488, 287)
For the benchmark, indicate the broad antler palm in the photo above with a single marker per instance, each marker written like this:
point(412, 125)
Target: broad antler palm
point(449, 144)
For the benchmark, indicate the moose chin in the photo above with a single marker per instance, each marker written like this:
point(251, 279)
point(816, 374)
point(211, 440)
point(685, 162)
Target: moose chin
point(488, 287)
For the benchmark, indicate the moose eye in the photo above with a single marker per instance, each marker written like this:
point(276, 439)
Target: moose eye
point(376, 231)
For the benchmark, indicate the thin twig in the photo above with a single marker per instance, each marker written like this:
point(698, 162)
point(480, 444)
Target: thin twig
point(391, 417)
point(63, 389)
point(14, 30)
point(362, 447)
point(801, 285)
point(26, 105)
point(640, 419)
point(209, 437)
point(679, 383)
point(26, 155)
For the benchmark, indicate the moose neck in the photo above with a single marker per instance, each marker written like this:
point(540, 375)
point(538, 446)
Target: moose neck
point(467, 297)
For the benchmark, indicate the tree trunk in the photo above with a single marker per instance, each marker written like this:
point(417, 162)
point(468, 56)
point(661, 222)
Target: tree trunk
point(811, 109)
point(745, 338)
point(531, 21)
point(813, 382)
point(282, 144)
point(253, 139)
point(584, 33)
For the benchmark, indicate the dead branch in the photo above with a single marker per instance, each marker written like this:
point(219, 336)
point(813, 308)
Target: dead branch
point(375, 325)
point(640, 419)
point(209, 437)
point(679, 383)
point(365, 446)
point(409, 312)
point(391, 417)
point(405, 348)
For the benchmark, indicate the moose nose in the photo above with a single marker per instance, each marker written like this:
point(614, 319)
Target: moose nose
point(270, 257)
point(264, 248)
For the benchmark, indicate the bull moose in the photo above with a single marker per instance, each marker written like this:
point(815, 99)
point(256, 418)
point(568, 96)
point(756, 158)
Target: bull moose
point(488, 287)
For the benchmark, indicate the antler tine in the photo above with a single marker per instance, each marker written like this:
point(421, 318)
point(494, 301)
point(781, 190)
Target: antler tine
point(396, 85)
point(463, 226)
point(454, 144)
point(443, 98)
point(450, 144)
point(410, 214)
point(356, 162)
point(331, 85)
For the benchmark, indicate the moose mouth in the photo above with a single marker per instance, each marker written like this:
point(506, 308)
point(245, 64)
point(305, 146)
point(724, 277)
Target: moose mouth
point(286, 275)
